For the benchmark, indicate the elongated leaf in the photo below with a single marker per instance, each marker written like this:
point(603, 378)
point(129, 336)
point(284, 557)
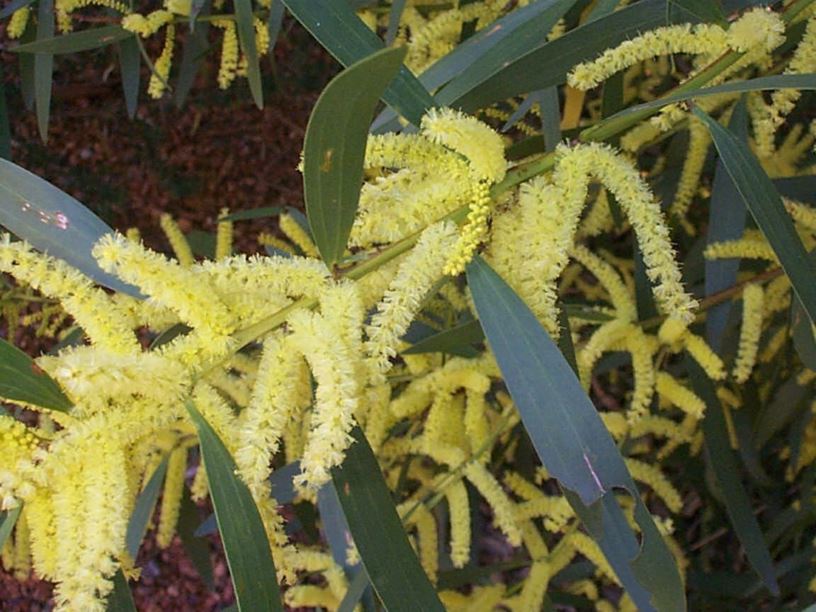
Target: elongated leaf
point(707, 11)
point(334, 148)
point(726, 221)
point(349, 40)
point(801, 188)
point(246, 36)
point(572, 442)
point(394, 16)
point(22, 380)
point(198, 550)
point(787, 401)
point(387, 556)
point(5, 127)
point(27, 69)
point(547, 63)
point(450, 341)
point(252, 213)
point(724, 464)
point(333, 524)
point(9, 520)
point(274, 21)
point(76, 41)
point(765, 205)
point(242, 532)
point(44, 67)
point(803, 337)
point(143, 510)
point(195, 49)
point(129, 65)
point(54, 222)
point(121, 599)
point(13, 6)
point(355, 592)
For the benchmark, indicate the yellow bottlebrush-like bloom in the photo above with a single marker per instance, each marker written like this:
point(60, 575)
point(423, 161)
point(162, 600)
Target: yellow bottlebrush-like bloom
point(657, 481)
point(398, 307)
point(752, 309)
point(641, 347)
point(228, 68)
point(687, 186)
point(678, 337)
point(703, 38)
point(600, 342)
point(64, 8)
point(18, 444)
point(503, 513)
point(587, 547)
point(802, 213)
point(179, 7)
point(293, 230)
point(223, 236)
point(171, 497)
point(146, 26)
point(18, 22)
point(92, 308)
point(425, 524)
point(177, 240)
point(459, 514)
point(750, 247)
point(158, 79)
point(609, 277)
point(757, 28)
point(473, 233)
point(669, 388)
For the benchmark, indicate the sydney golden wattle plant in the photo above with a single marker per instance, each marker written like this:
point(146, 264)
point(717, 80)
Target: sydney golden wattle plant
point(283, 356)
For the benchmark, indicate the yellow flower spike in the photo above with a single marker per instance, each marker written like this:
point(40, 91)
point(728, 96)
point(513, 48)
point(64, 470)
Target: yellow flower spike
point(682, 397)
point(293, 230)
point(311, 597)
point(262, 41)
point(177, 240)
point(611, 280)
point(503, 508)
point(688, 185)
point(699, 39)
point(600, 342)
point(228, 68)
point(171, 497)
point(616, 424)
point(588, 548)
point(535, 586)
point(21, 563)
point(459, 516)
point(158, 79)
point(802, 214)
point(752, 311)
point(416, 275)
point(758, 28)
point(641, 348)
point(149, 25)
point(652, 476)
point(179, 7)
point(749, 247)
point(18, 22)
point(705, 356)
point(223, 236)
point(425, 524)
point(599, 218)
point(92, 309)
point(473, 232)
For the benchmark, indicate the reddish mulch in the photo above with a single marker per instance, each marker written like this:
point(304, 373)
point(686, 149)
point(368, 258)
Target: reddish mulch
point(218, 150)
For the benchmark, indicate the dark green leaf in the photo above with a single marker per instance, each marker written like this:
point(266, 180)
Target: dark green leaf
point(121, 599)
point(273, 23)
point(765, 205)
point(282, 482)
point(349, 40)
point(601, 9)
point(550, 117)
point(52, 221)
point(355, 592)
point(450, 341)
point(5, 128)
point(195, 10)
point(333, 524)
point(545, 64)
point(27, 69)
point(252, 213)
point(801, 188)
point(394, 16)
point(13, 6)
point(246, 36)
point(788, 399)
point(726, 221)
point(76, 41)
point(803, 337)
point(242, 532)
point(22, 380)
point(334, 148)
point(44, 67)
point(726, 471)
point(195, 49)
point(143, 510)
point(706, 11)
point(572, 442)
point(387, 556)
point(198, 550)
point(9, 520)
point(130, 66)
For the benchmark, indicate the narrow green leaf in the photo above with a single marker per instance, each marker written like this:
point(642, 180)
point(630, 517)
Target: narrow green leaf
point(726, 221)
point(765, 205)
point(803, 337)
point(724, 464)
point(450, 341)
point(706, 11)
point(334, 148)
point(601, 9)
point(22, 380)
point(388, 558)
point(544, 64)
point(52, 221)
point(76, 41)
point(196, 7)
point(252, 213)
point(9, 520)
point(198, 550)
point(787, 401)
point(242, 532)
point(143, 510)
point(333, 524)
point(129, 65)
point(550, 117)
point(13, 6)
point(801, 188)
point(27, 69)
point(355, 592)
point(572, 442)
point(274, 21)
point(43, 67)
point(121, 599)
point(195, 49)
point(5, 127)
point(394, 16)
point(349, 40)
point(246, 36)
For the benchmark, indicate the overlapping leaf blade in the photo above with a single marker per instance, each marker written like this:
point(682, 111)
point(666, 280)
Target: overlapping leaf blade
point(143, 509)
point(242, 532)
point(246, 36)
point(765, 205)
point(130, 64)
point(349, 40)
point(121, 599)
point(44, 67)
point(572, 442)
point(334, 148)
point(451, 341)
point(388, 558)
point(22, 380)
point(54, 222)
point(75, 42)
point(9, 520)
